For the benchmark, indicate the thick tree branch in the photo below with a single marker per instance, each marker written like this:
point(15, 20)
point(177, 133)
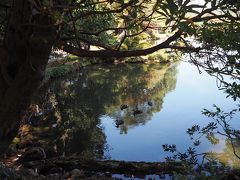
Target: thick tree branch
point(115, 53)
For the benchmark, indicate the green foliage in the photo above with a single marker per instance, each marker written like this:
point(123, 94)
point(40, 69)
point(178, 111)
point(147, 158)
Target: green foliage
point(187, 28)
point(232, 89)
point(137, 42)
point(90, 28)
point(134, 60)
point(58, 71)
point(160, 56)
point(71, 58)
point(223, 35)
point(101, 23)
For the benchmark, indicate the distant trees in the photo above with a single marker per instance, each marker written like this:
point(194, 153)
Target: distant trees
point(30, 29)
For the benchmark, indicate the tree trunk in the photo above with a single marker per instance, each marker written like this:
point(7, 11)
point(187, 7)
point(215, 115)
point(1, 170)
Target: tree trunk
point(23, 59)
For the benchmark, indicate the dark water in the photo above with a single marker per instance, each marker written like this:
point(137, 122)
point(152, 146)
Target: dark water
point(83, 113)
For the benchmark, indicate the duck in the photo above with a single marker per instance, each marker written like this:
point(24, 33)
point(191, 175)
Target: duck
point(137, 111)
point(149, 103)
point(119, 122)
point(123, 106)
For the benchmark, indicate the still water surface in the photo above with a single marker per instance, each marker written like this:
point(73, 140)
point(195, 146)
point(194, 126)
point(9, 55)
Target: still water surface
point(180, 109)
point(89, 117)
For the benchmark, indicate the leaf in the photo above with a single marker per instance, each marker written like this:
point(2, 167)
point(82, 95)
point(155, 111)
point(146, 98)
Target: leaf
point(186, 2)
point(180, 2)
point(196, 143)
point(212, 138)
point(173, 8)
point(170, 148)
point(191, 151)
point(159, 12)
point(168, 21)
point(213, 3)
point(193, 129)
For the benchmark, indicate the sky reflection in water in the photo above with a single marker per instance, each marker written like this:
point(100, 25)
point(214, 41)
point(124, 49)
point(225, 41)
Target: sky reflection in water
point(180, 110)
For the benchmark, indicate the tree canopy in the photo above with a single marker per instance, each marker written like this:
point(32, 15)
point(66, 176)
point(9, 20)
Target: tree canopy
point(117, 28)
point(109, 24)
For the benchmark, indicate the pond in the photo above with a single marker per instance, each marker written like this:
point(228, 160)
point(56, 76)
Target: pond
point(128, 111)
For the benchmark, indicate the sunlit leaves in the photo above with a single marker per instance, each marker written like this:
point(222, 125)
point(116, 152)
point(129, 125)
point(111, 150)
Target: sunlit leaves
point(210, 136)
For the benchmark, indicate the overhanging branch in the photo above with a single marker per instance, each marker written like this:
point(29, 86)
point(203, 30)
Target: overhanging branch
point(115, 53)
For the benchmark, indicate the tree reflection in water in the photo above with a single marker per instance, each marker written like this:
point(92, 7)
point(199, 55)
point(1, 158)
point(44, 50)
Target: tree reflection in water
point(73, 106)
point(143, 92)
